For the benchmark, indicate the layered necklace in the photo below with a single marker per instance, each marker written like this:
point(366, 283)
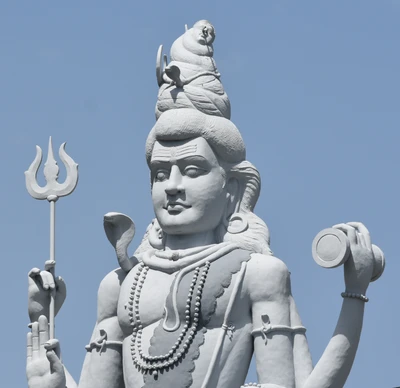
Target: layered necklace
point(154, 364)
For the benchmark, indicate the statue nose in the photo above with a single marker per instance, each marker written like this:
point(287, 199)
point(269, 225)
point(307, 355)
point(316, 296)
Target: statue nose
point(174, 190)
point(174, 185)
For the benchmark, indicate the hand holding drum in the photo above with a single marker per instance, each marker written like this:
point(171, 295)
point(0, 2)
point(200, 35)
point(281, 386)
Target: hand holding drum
point(331, 248)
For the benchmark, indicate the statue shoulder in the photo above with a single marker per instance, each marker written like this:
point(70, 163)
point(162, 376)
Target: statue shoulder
point(267, 278)
point(108, 294)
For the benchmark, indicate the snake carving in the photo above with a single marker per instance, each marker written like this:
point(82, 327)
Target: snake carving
point(191, 79)
point(120, 231)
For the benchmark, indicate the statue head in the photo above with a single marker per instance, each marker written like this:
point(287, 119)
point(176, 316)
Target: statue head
point(201, 180)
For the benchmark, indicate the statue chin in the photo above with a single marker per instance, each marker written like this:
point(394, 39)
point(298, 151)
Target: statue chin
point(184, 227)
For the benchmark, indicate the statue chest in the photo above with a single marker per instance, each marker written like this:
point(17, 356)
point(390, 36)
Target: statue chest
point(157, 301)
point(186, 297)
point(151, 300)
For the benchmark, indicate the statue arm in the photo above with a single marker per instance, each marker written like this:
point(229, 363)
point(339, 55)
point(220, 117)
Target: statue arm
point(102, 367)
point(335, 364)
point(303, 365)
point(285, 364)
point(70, 382)
point(268, 284)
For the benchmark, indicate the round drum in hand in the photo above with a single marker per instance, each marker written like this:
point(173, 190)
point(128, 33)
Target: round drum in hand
point(330, 248)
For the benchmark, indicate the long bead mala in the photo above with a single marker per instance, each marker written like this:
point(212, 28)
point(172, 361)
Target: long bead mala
point(155, 363)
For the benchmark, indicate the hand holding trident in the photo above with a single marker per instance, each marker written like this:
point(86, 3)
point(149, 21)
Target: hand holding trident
point(52, 191)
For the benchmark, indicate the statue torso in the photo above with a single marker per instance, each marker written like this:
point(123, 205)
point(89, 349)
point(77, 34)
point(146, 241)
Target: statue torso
point(193, 365)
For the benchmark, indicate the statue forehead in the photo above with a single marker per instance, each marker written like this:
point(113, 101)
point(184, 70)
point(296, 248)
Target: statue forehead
point(179, 149)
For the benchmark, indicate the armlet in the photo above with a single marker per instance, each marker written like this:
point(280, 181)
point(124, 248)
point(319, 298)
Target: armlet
point(261, 385)
point(101, 342)
point(267, 328)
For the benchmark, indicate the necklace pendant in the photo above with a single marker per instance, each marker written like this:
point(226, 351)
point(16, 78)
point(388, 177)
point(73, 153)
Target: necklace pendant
point(154, 364)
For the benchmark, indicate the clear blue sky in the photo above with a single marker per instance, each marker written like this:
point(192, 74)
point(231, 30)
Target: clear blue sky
point(314, 88)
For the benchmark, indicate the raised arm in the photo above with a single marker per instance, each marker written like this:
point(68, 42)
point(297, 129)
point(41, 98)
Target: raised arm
point(334, 366)
point(102, 367)
point(103, 364)
point(282, 355)
point(281, 350)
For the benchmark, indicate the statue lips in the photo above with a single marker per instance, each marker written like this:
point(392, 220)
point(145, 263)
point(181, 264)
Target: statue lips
point(176, 207)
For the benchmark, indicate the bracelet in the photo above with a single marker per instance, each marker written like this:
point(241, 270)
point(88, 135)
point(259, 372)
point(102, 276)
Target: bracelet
point(362, 297)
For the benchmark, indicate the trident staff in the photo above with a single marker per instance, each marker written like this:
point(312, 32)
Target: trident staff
point(51, 191)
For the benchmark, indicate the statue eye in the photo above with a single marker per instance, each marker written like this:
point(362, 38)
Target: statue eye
point(193, 171)
point(161, 175)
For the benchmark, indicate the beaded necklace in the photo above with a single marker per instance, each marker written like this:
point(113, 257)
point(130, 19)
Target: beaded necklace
point(154, 364)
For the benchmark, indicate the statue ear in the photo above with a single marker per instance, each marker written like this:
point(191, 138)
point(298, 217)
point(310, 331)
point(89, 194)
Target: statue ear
point(236, 222)
point(233, 197)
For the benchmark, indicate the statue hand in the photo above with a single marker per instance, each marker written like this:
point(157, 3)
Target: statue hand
point(359, 267)
point(40, 285)
point(43, 366)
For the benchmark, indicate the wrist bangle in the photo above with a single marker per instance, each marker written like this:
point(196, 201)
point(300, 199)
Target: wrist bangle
point(355, 296)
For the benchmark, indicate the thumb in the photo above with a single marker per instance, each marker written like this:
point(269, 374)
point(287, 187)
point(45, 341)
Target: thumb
point(55, 364)
point(61, 287)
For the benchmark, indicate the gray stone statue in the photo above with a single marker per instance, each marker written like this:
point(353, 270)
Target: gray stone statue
point(203, 292)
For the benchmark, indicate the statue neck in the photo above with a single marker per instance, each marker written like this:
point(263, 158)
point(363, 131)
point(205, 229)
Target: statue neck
point(174, 242)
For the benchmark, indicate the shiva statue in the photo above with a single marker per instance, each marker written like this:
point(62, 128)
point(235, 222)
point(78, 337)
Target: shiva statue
point(203, 292)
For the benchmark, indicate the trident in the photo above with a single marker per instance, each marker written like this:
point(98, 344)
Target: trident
point(52, 191)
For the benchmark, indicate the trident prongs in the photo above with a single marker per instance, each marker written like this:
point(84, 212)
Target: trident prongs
point(51, 191)
point(51, 170)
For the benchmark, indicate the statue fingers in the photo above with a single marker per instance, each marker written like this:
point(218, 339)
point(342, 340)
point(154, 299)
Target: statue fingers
point(362, 229)
point(35, 340)
point(34, 272)
point(349, 231)
point(29, 347)
point(50, 280)
point(52, 353)
point(61, 293)
point(361, 239)
point(53, 344)
point(47, 280)
point(43, 334)
point(44, 278)
point(34, 276)
point(61, 287)
point(49, 265)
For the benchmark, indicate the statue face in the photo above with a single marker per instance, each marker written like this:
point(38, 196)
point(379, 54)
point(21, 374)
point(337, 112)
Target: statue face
point(189, 192)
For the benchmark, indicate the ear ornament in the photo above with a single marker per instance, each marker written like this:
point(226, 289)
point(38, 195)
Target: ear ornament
point(237, 223)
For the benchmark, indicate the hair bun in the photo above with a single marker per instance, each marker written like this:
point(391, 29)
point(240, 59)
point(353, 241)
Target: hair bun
point(191, 79)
